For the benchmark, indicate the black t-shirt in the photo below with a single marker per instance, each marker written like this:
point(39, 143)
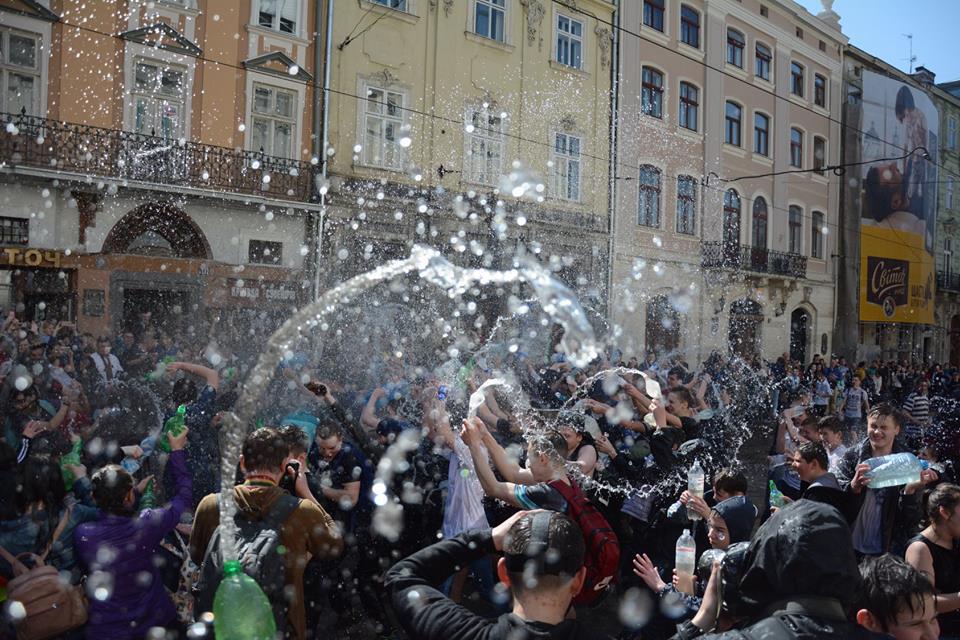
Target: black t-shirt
point(347, 466)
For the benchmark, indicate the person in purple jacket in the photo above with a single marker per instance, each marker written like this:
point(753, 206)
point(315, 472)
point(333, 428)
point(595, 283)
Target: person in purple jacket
point(124, 587)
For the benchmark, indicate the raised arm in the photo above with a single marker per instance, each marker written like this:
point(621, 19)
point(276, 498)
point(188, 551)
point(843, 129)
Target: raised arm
point(492, 487)
point(211, 377)
point(368, 417)
point(509, 468)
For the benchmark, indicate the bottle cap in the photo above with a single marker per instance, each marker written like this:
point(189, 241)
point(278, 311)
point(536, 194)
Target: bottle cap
point(686, 532)
point(232, 568)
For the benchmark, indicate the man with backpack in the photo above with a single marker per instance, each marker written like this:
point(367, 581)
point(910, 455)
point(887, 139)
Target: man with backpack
point(544, 484)
point(267, 518)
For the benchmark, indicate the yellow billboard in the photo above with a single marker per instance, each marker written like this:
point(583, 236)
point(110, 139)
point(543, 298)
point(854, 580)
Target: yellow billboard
point(899, 202)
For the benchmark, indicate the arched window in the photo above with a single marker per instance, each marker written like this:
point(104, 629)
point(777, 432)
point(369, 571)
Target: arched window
point(662, 326)
point(735, 45)
point(648, 213)
point(652, 92)
point(731, 218)
point(759, 231)
point(734, 119)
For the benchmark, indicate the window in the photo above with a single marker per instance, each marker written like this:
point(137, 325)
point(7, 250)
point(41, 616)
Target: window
point(764, 60)
point(488, 19)
point(763, 11)
point(566, 167)
point(686, 205)
point(816, 236)
point(759, 235)
point(733, 115)
point(795, 237)
point(653, 14)
point(689, 106)
point(823, 46)
point(761, 134)
point(948, 200)
point(273, 121)
point(735, 44)
point(689, 26)
point(485, 146)
point(652, 92)
point(265, 252)
point(648, 214)
point(948, 256)
point(400, 5)
point(279, 15)
point(819, 90)
point(819, 154)
point(158, 99)
point(731, 217)
point(382, 120)
point(796, 147)
point(20, 72)
point(14, 231)
point(952, 133)
point(796, 79)
point(569, 42)
point(800, 33)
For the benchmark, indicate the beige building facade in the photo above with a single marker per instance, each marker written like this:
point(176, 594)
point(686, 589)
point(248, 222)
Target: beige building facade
point(706, 257)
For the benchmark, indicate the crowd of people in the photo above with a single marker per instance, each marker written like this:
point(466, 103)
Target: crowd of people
point(404, 501)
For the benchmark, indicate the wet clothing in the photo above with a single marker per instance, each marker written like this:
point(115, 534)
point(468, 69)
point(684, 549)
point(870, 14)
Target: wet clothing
point(133, 604)
point(739, 515)
point(426, 614)
point(540, 496)
point(308, 531)
point(946, 571)
point(349, 465)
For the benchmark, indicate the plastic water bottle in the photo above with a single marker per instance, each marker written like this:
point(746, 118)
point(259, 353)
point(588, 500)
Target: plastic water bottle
point(148, 500)
point(895, 469)
point(686, 553)
point(652, 388)
point(776, 496)
point(174, 425)
point(695, 480)
point(71, 458)
point(241, 611)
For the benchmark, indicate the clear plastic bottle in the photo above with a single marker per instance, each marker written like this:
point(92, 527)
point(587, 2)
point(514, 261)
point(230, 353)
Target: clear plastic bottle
point(686, 553)
point(895, 469)
point(241, 611)
point(695, 480)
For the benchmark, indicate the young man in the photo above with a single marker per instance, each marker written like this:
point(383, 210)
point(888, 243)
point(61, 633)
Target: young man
point(345, 477)
point(916, 409)
point(108, 365)
point(307, 531)
point(855, 405)
point(831, 433)
point(821, 394)
point(896, 600)
point(886, 518)
point(542, 566)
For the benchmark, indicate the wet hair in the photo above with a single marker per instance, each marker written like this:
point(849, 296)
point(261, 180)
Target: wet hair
point(830, 423)
point(904, 102)
point(814, 452)
point(943, 495)
point(184, 391)
point(730, 481)
point(549, 567)
point(886, 409)
point(329, 429)
point(888, 586)
point(878, 197)
point(264, 450)
point(111, 484)
point(41, 481)
point(295, 437)
point(677, 372)
point(683, 395)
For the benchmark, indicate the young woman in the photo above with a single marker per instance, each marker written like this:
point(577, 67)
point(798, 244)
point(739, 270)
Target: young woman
point(580, 448)
point(934, 553)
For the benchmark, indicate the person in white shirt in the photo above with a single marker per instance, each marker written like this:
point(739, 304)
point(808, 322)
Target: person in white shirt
point(831, 435)
point(108, 365)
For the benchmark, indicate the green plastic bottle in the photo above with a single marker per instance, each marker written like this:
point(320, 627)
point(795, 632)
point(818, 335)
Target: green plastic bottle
point(149, 499)
point(174, 425)
point(241, 611)
point(71, 458)
point(776, 497)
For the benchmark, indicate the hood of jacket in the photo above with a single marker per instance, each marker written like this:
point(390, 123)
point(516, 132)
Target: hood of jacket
point(739, 515)
point(804, 550)
point(254, 501)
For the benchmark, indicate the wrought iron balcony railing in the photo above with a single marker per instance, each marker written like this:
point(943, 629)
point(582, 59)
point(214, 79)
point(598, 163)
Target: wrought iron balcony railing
point(109, 153)
point(948, 281)
point(736, 257)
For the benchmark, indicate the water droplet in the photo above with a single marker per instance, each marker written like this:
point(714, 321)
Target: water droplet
point(405, 142)
point(342, 254)
point(241, 127)
point(357, 148)
point(294, 69)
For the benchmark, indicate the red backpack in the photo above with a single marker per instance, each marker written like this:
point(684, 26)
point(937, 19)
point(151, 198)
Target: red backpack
point(602, 557)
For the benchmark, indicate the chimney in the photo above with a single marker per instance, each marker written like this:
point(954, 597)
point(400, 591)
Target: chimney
point(924, 76)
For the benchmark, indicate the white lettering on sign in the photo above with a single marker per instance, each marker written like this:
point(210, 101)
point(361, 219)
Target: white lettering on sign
point(250, 293)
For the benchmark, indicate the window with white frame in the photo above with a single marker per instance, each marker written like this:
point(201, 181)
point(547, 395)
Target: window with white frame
point(382, 121)
point(796, 79)
point(689, 106)
point(819, 154)
point(648, 211)
point(566, 167)
point(399, 5)
point(651, 93)
point(569, 42)
point(489, 17)
point(796, 147)
point(485, 145)
point(20, 72)
point(733, 118)
point(686, 205)
point(273, 125)
point(816, 235)
point(761, 134)
point(279, 15)
point(948, 200)
point(795, 229)
point(952, 133)
point(735, 44)
point(158, 98)
point(763, 60)
point(690, 26)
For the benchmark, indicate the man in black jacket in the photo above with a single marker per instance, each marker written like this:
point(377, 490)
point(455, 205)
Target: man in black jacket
point(542, 566)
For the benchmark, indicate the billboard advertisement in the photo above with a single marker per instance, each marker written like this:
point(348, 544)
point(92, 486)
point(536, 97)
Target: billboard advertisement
point(898, 178)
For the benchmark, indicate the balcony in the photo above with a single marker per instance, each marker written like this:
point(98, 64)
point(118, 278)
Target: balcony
point(42, 144)
point(948, 281)
point(734, 257)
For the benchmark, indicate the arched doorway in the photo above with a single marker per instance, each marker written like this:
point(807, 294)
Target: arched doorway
point(746, 324)
point(662, 326)
point(955, 340)
point(801, 325)
point(158, 229)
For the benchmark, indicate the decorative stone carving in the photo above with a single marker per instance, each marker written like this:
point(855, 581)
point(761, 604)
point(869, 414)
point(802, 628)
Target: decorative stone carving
point(567, 123)
point(535, 12)
point(386, 77)
point(604, 41)
point(447, 7)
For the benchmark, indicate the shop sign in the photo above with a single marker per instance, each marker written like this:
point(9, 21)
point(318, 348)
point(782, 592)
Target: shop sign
point(14, 256)
point(238, 289)
point(271, 291)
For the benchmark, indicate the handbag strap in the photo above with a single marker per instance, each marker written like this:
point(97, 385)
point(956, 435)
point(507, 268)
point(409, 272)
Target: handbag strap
point(56, 534)
point(18, 567)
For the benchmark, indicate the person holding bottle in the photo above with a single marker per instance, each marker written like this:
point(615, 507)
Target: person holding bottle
point(934, 553)
point(886, 518)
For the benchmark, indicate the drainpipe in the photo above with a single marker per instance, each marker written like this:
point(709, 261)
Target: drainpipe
point(612, 165)
point(321, 153)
